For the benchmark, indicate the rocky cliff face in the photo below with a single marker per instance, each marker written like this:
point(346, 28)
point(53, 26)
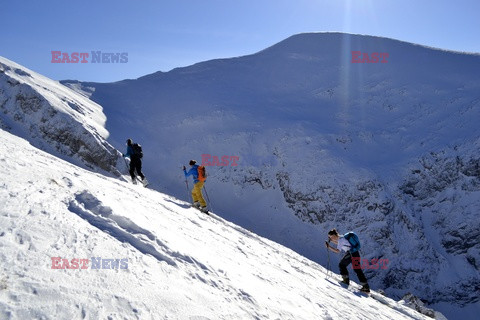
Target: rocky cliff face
point(443, 193)
point(54, 118)
point(425, 221)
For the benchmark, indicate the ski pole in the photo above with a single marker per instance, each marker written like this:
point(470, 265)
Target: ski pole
point(328, 262)
point(208, 198)
point(188, 189)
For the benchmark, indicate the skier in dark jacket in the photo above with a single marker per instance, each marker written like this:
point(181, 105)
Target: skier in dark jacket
point(345, 246)
point(135, 162)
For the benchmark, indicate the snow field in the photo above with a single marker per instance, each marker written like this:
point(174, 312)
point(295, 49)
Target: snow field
point(181, 264)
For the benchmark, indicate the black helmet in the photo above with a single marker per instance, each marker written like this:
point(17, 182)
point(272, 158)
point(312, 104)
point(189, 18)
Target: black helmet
point(333, 232)
point(192, 162)
point(129, 142)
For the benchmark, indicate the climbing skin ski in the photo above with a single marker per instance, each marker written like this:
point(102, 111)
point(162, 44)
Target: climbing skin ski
point(204, 210)
point(374, 295)
point(143, 182)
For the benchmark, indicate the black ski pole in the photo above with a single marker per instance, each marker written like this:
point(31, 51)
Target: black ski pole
point(328, 261)
point(188, 189)
point(208, 198)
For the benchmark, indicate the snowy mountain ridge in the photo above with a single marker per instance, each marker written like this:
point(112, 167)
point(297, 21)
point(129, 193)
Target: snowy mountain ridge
point(54, 117)
point(324, 142)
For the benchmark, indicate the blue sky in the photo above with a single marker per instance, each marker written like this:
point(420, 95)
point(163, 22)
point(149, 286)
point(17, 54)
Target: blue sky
point(161, 35)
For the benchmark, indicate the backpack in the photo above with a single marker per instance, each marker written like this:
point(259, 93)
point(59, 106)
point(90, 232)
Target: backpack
point(137, 150)
point(354, 241)
point(202, 173)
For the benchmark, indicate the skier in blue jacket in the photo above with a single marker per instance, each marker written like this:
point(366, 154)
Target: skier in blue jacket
point(198, 200)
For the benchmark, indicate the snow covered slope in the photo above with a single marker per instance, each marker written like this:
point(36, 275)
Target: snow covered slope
point(148, 255)
point(324, 142)
point(54, 118)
